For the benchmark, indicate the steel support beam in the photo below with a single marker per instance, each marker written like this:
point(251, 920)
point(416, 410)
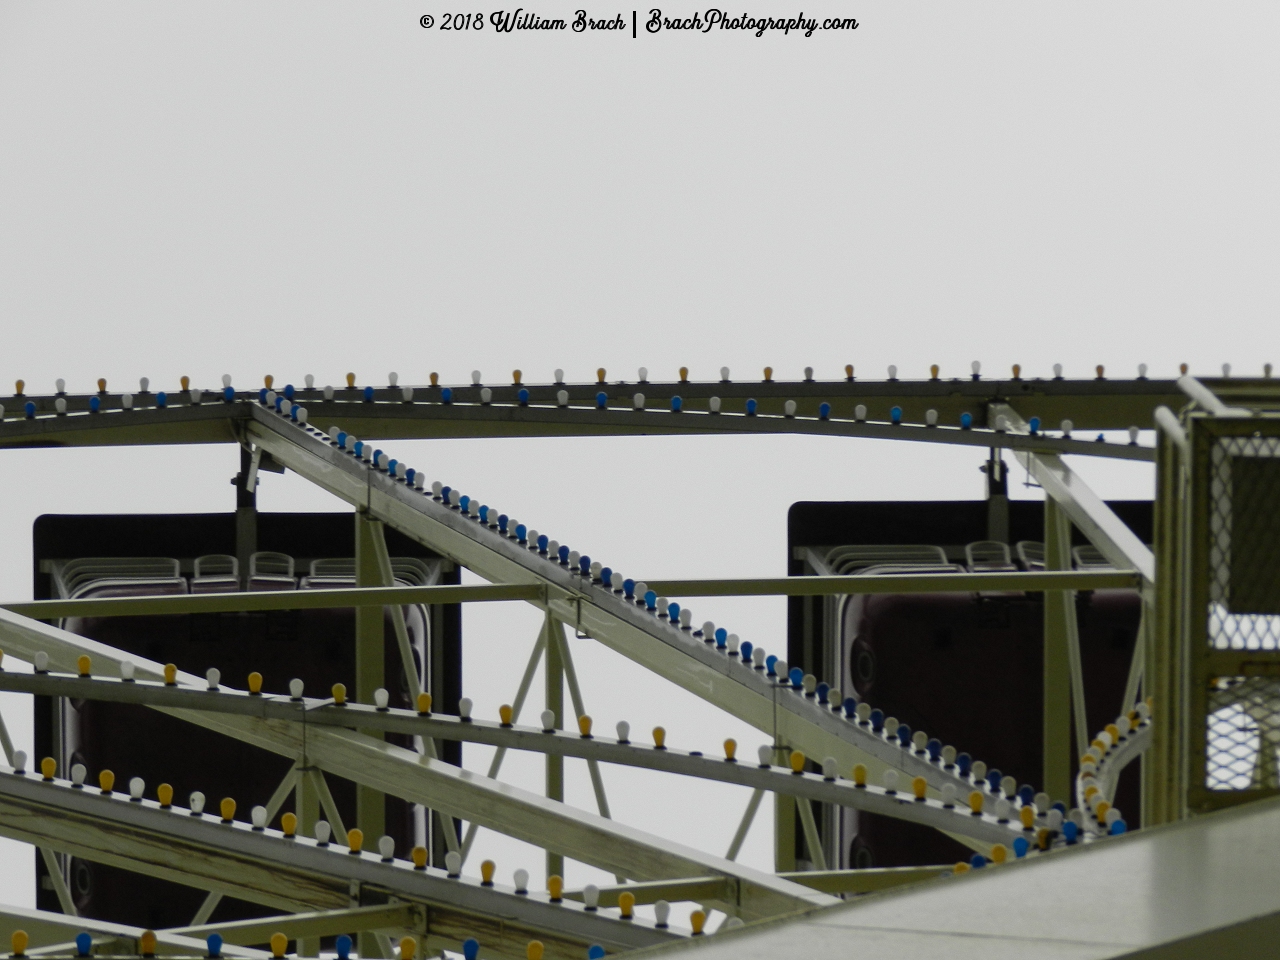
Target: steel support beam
point(48, 929)
point(553, 679)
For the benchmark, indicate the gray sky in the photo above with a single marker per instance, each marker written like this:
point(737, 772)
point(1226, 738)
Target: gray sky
point(286, 188)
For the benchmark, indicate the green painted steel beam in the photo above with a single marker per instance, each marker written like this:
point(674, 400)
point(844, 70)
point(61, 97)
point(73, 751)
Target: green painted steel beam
point(1029, 581)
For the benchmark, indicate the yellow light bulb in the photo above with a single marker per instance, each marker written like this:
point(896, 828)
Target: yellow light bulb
point(848, 370)
point(627, 904)
point(919, 786)
point(419, 857)
point(797, 761)
point(768, 374)
point(268, 380)
point(355, 839)
point(170, 674)
point(1017, 371)
point(1182, 368)
point(84, 664)
point(960, 867)
point(486, 872)
point(555, 887)
point(228, 809)
point(279, 943)
point(1042, 838)
point(147, 943)
point(424, 703)
point(1028, 816)
point(584, 725)
point(534, 950)
point(186, 383)
point(48, 768)
point(1103, 807)
point(860, 775)
point(697, 920)
point(435, 379)
point(408, 948)
point(515, 377)
point(1112, 729)
point(684, 374)
point(730, 749)
point(975, 803)
point(102, 384)
point(351, 381)
point(660, 738)
point(255, 682)
point(999, 853)
point(600, 375)
point(1101, 369)
point(504, 714)
point(106, 780)
point(340, 694)
point(18, 387)
point(289, 824)
point(19, 940)
point(164, 793)
point(933, 372)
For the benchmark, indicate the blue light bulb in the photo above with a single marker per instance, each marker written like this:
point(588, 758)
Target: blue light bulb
point(606, 577)
point(95, 404)
point(543, 540)
point(1060, 807)
point(769, 663)
point(673, 611)
point(358, 449)
point(228, 394)
point(877, 720)
point(503, 523)
point(994, 777)
point(1118, 827)
point(84, 943)
point(850, 707)
point(745, 651)
point(446, 395)
point(796, 676)
point(629, 588)
point(963, 763)
point(564, 555)
point(824, 411)
point(1070, 831)
point(651, 600)
point(464, 502)
point(676, 404)
point(584, 565)
point(1020, 847)
point(293, 412)
point(279, 401)
point(720, 636)
point(1034, 424)
point(262, 396)
point(444, 491)
point(523, 397)
point(471, 948)
point(409, 475)
point(368, 394)
point(484, 510)
point(751, 408)
point(214, 942)
point(30, 408)
point(595, 952)
point(342, 440)
point(162, 399)
point(895, 415)
point(343, 947)
point(966, 421)
point(934, 747)
point(1027, 794)
point(602, 400)
point(822, 691)
point(904, 734)
point(977, 861)
point(288, 390)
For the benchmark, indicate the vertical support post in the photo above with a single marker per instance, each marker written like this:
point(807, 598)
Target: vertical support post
point(1057, 664)
point(246, 513)
point(371, 812)
point(306, 806)
point(554, 676)
point(784, 826)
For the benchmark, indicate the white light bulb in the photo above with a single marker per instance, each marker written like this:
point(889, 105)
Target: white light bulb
point(213, 675)
point(226, 380)
point(387, 847)
point(41, 661)
point(60, 405)
point(61, 385)
point(641, 588)
point(195, 803)
point(724, 373)
point(464, 708)
point(196, 395)
point(661, 913)
point(637, 402)
point(1226, 370)
point(475, 378)
point(1057, 371)
point(979, 770)
point(419, 480)
point(591, 896)
point(714, 404)
point(486, 395)
point(931, 417)
point(258, 817)
point(521, 878)
point(686, 618)
point(136, 786)
point(893, 372)
point(765, 753)
point(789, 408)
point(830, 769)
point(890, 779)
point(78, 772)
point(437, 489)
point(126, 401)
point(19, 761)
point(596, 569)
point(663, 604)
point(310, 381)
point(708, 629)
point(780, 668)
point(144, 384)
point(948, 794)
point(295, 688)
point(1041, 801)
point(948, 755)
point(976, 367)
point(381, 698)
point(559, 375)
point(328, 392)
point(808, 373)
point(1142, 371)
point(1133, 435)
point(860, 412)
point(890, 726)
point(759, 656)
point(302, 415)
point(624, 731)
point(453, 863)
point(393, 379)
point(733, 642)
point(1053, 819)
point(323, 831)
point(548, 720)
point(643, 374)
point(333, 433)
point(1067, 427)
point(562, 397)
point(126, 669)
point(1002, 809)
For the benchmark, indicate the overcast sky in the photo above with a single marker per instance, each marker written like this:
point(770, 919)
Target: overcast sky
point(289, 188)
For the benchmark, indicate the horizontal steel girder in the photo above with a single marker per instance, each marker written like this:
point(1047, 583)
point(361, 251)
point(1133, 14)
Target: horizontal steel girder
point(219, 423)
point(420, 779)
point(294, 874)
point(593, 610)
point(46, 929)
point(958, 821)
